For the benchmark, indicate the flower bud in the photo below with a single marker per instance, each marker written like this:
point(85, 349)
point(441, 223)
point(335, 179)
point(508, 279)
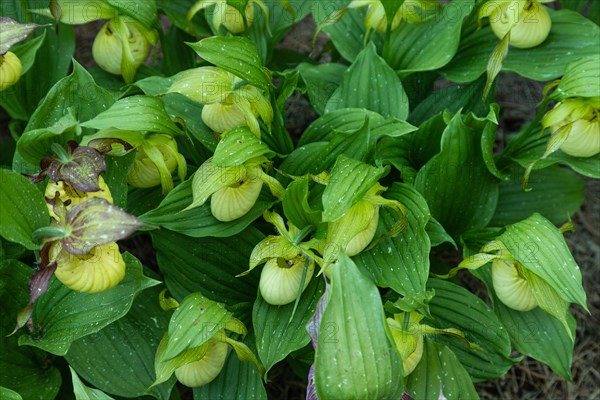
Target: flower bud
point(203, 371)
point(222, 117)
point(511, 287)
point(10, 70)
point(412, 11)
point(579, 119)
point(234, 201)
point(408, 340)
point(120, 48)
point(280, 279)
point(67, 192)
point(527, 21)
point(99, 270)
point(231, 18)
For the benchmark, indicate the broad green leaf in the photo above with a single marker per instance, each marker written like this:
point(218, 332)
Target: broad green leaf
point(534, 148)
point(348, 34)
point(136, 113)
point(429, 45)
point(237, 55)
point(8, 394)
point(537, 244)
point(571, 34)
point(456, 307)
point(280, 330)
point(115, 177)
point(534, 333)
point(144, 12)
point(238, 380)
point(556, 193)
point(63, 315)
point(36, 144)
point(105, 358)
point(22, 209)
point(24, 370)
point(439, 374)
point(296, 207)
point(28, 50)
point(581, 78)
point(210, 265)
point(355, 357)
point(183, 109)
point(238, 146)
point(83, 392)
point(195, 321)
point(451, 98)
point(349, 181)
point(350, 120)
point(437, 234)
point(177, 11)
point(400, 262)
point(321, 81)
point(371, 84)
point(77, 91)
point(460, 191)
point(199, 221)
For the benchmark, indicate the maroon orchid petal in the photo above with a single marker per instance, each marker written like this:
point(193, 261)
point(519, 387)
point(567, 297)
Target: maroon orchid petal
point(39, 282)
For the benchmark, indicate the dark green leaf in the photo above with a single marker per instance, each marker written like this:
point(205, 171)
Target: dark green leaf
point(117, 169)
point(62, 315)
point(321, 81)
point(83, 392)
point(296, 207)
point(209, 265)
point(105, 359)
point(556, 193)
point(22, 209)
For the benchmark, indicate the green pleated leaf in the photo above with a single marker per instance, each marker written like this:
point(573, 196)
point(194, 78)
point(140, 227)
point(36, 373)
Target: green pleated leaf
point(534, 333)
point(456, 307)
point(237, 55)
point(115, 177)
point(350, 120)
point(371, 84)
point(199, 221)
point(280, 330)
point(430, 45)
point(571, 34)
point(321, 81)
point(534, 148)
point(183, 109)
point(348, 182)
point(8, 394)
point(296, 207)
point(459, 189)
point(437, 234)
point(238, 146)
point(105, 358)
point(195, 321)
point(22, 209)
point(83, 392)
point(28, 50)
point(355, 358)
point(209, 265)
point(24, 370)
point(541, 248)
point(144, 12)
point(63, 315)
point(439, 374)
point(136, 113)
point(581, 78)
point(401, 262)
point(36, 144)
point(238, 380)
point(557, 193)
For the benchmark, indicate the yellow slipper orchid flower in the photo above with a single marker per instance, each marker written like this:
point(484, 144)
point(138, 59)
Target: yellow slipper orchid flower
point(228, 102)
point(67, 192)
point(10, 70)
point(203, 371)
